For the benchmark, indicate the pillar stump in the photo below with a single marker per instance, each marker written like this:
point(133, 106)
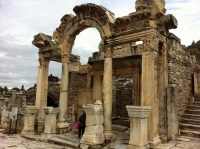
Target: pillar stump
point(29, 120)
point(138, 126)
point(93, 135)
point(50, 121)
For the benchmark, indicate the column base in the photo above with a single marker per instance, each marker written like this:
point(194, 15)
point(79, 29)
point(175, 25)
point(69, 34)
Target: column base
point(27, 132)
point(46, 136)
point(39, 126)
point(154, 142)
point(109, 137)
point(137, 147)
point(62, 127)
point(86, 146)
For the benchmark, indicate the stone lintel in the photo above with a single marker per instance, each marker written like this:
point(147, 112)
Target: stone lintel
point(118, 40)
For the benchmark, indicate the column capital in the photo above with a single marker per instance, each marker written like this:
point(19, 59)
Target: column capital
point(44, 62)
point(150, 43)
point(108, 52)
point(65, 57)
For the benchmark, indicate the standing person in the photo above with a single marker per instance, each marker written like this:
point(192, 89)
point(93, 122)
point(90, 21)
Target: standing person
point(82, 125)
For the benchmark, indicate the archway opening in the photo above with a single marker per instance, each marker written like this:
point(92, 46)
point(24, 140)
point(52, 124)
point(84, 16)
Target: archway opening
point(86, 43)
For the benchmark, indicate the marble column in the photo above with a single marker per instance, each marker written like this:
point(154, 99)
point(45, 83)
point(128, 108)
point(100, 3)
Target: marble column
point(149, 94)
point(41, 92)
point(138, 126)
point(107, 94)
point(29, 120)
point(50, 121)
point(63, 101)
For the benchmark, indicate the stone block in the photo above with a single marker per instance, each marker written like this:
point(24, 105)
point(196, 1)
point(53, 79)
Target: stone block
point(92, 139)
point(94, 129)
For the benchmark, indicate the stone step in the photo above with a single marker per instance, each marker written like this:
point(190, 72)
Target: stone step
point(188, 138)
point(196, 95)
point(190, 121)
point(119, 127)
point(192, 111)
point(196, 98)
point(190, 133)
point(184, 126)
point(69, 137)
point(191, 116)
point(194, 107)
point(196, 103)
point(61, 141)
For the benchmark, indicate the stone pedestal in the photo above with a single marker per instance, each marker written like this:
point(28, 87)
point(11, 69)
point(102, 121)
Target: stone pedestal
point(29, 120)
point(50, 121)
point(93, 135)
point(138, 126)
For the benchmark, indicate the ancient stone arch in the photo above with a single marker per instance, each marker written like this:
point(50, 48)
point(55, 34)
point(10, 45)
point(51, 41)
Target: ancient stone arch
point(87, 15)
point(117, 54)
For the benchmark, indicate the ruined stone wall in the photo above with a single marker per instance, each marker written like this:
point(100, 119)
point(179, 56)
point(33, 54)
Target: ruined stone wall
point(180, 72)
point(76, 81)
point(122, 89)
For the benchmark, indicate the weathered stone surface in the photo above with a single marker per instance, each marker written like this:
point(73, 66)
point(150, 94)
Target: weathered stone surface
point(138, 126)
point(172, 113)
point(93, 133)
point(29, 119)
point(50, 121)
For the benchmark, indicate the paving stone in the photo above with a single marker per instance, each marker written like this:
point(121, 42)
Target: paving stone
point(164, 146)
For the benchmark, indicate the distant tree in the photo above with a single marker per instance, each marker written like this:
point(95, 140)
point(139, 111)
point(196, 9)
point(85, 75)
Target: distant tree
point(22, 88)
point(5, 88)
point(16, 88)
point(193, 51)
point(198, 55)
point(1, 89)
point(33, 87)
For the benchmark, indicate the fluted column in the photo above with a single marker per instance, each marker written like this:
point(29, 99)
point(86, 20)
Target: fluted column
point(63, 101)
point(107, 94)
point(41, 92)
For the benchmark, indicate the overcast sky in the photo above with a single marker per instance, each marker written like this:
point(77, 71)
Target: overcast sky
point(20, 20)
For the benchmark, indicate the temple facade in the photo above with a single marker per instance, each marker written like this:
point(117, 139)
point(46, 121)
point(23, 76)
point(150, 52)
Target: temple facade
point(162, 73)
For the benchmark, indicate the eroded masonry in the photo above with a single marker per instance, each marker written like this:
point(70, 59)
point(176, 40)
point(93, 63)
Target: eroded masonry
point(158, 77)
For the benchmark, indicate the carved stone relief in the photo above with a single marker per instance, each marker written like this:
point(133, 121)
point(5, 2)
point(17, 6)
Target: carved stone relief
point(74, 66)
point(85, 69)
